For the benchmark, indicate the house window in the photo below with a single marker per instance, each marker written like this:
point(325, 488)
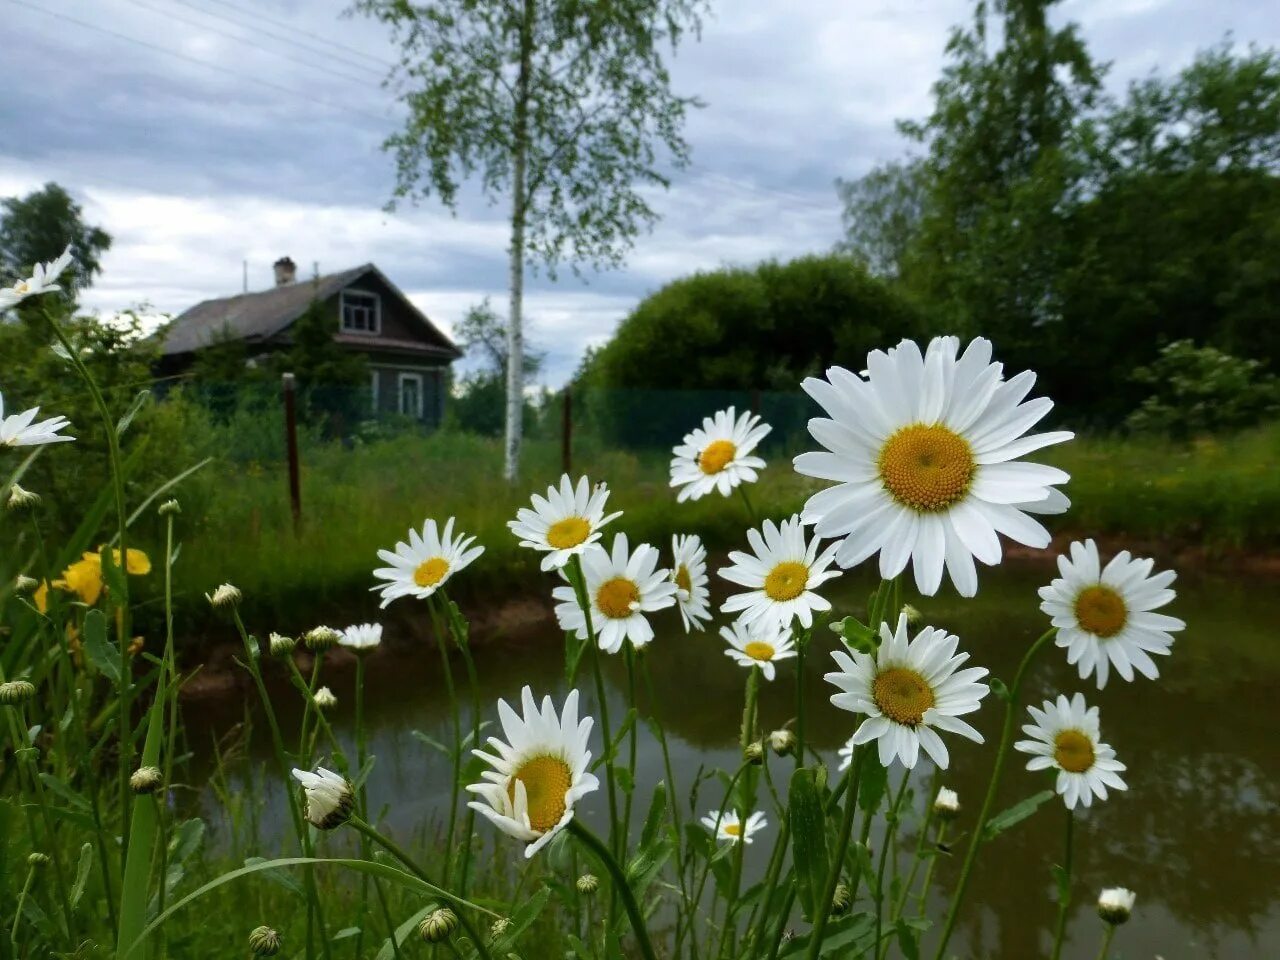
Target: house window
point(361, 312)
point(411, 395)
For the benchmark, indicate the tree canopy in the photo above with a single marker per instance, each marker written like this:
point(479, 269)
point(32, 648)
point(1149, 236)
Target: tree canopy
point(38, 227)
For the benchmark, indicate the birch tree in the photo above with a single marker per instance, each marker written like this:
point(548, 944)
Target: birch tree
point(564, 109)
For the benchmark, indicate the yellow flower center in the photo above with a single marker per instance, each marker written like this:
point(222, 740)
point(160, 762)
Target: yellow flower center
point(786, 581)
point(615, 597)
point(430, 572)
point(546, 781)
point(569, 532)
point(1101, 611)
point(732, 829)
point(759, 650)
point(21, 288)
point(1073, 751)
point(902, 695)
point(926, 468)
point(716, 456)
point(682, 579)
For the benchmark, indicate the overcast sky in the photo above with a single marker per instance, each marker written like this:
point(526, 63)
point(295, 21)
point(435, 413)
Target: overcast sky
point(204, 133)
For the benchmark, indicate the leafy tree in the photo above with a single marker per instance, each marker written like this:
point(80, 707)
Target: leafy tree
point(559, 107)
point(38, 227)
point(331, 379)
point(882, 212)
point(480, 404)
point(1199, 390)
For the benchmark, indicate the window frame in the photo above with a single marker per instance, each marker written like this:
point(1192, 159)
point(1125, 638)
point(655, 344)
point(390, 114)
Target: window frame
point(417, 377)
point(376, 329)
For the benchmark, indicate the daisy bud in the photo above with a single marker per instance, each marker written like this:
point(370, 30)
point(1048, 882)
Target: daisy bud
point(946, 805)
point(225, 597)
point(841, 900)
point(145, 780)
point(438, 926)
point(914, 616)
point(16, 692)
point(783, 742)
point(330, 799)
point(754, 753)
point(37, 859)
point(264, 942)
point(320, 639)
point(500, 927)
point(280, 645)
point(1115, 904)
point(20, 500)
point(24, 584)
point(170, 508)
point(588, 883)
point(324, 699)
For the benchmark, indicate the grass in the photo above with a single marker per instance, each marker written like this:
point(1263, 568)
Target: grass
point(1218, 492)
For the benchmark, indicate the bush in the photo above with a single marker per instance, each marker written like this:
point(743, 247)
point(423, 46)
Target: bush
point(1202, 390)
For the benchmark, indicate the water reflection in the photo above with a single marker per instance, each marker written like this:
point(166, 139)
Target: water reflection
point(1197, 835)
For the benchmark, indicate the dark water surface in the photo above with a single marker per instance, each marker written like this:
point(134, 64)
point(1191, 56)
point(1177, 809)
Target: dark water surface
point(1197, 834)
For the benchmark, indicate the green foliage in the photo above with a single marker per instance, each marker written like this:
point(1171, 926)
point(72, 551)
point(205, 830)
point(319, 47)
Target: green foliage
point(479, 404)
point(1197, 390)
point(326, 371)
point(882, 212)
point(38, 227)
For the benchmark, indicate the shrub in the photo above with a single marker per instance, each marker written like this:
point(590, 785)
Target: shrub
point(1202, 390)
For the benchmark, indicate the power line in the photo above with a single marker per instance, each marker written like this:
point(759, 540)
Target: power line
point(286, 39)
point(328, 104)
point(249, 43)
point(257, 15)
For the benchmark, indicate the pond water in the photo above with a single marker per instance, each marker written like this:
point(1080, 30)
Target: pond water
point(1197, 835)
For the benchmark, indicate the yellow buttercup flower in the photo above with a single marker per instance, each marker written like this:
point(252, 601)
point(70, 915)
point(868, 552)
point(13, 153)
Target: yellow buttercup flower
point(84, 577)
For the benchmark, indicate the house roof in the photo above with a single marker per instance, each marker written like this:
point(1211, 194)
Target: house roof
point(266, 313)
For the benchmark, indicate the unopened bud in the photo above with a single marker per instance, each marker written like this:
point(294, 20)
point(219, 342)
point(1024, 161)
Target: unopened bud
point(914, 616)
point(24, 584)
point(280, 645)
point(146, 780)
point(588, 883)
point(20, 499)
point(264, 942)
point(168, 509)
point(225, 597)
point(1115, 904)
point(754, 753)
point(946, 805)
point(438, 926)
point(325, 699)
point(841, 899)
point(783, 742)
point(499, 927)
point(322, 638)
point(16, 692)
point(37, 859)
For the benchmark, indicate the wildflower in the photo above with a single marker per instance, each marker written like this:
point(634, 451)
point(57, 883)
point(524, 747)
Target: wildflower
point(16, 692)
point(324, 699)
point(539, 773)
point(145, 780)
point(588, 884)
point(1115, 904)
point(907, 689)
point(727, 826)
point(841, 899)
point(758, 645)
point(264, 942)
point(329, 796)
point(42, 280)
point(780, 575)
point(689, 574)
point(946, 805)
point(21, 500)
point(320, 639)
point(1104, 614)
point(1067, 738)
point(21, 429)
point(422, 566)
point(923, 451)
point(224, 597)
point(783, 742)
point(84, 577)
point(622, 587)
point(24, 584)
point(280, 645)
point(717, 455)
point(169, 508)
point(362, 637)
point(438, 926)
point(564, 523)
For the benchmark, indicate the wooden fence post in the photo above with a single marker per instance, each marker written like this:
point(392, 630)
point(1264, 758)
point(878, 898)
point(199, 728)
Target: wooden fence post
point(291, 447)
point(566, 430)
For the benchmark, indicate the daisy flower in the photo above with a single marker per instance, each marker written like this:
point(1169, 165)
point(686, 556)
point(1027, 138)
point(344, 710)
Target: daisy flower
point(361, 637)
point(622, 588)
point(717, 455)
point(563, 523)
point(539, 772)
point(780, 575)
point(1115, 904)
point(21, 430)
point(1065, 736)
point(420, 567)
point(42, 280)
point(754, 646)
point(726, 825)
point(689, 574)
point(330, 799)
point(924, 452)
point(1104, 614)
point(907, 689)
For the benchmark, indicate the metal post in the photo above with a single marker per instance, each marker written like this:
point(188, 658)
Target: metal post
point(566, 430)
point(291, 446)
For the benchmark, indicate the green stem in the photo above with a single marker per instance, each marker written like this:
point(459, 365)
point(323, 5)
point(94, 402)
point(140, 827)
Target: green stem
point(886, 844)
point(747, 737)
point(362, 803)
point(975, 841)
point(802, 642)
point(577, 578)
point(928, 871)
point(842, 847)
point(17, 913)
point(746, 501)
point(459, 631)
point(601, 852)
point(456, 757)
point(1064, 903)
point(1106, 941)
point(629, 656)
point(915, 862)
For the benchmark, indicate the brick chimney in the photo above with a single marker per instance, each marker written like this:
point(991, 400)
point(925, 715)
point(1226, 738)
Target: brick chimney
point(286, 271)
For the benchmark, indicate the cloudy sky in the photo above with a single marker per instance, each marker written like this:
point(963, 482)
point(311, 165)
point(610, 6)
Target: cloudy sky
point(205, 133)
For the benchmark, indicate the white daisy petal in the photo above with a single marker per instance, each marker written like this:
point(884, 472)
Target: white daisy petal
point(1067, 739)
point(422, 566)
point(780, 576)
point(716, 457)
